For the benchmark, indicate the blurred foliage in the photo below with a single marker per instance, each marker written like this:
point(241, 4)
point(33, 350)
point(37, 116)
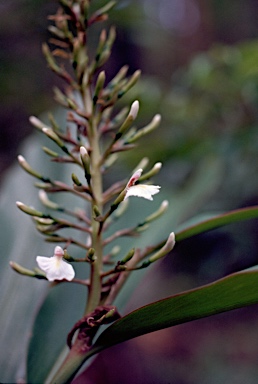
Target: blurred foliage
point(209, 109)
point(213, 104)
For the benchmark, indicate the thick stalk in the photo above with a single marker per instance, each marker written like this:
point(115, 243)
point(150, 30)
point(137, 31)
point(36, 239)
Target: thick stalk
point(97, 189)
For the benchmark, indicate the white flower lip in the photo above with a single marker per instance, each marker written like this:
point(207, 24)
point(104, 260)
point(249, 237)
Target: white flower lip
point(140, 190)
point(55, 267)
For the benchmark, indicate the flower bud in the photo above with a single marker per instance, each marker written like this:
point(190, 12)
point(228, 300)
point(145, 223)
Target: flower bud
point(127, 257)
point(50, 152)
point(29, 210)
point(50, 59)
point(45, 200)
point(121, 209)
point(115, 250)
point(132, 81)
point(76, 180)
point(110, 161)
point(118, 77)
point(104, 55)
point(134, 109)
point(23, 271)
point(91, 255)
point(99, 85)
point(44, 221)
point(128, 121)
point(37, 123)
point(145, 130)
point(23, 163)
point(155, 169)
point(143, 163)
point(86, 163)
point(53, 136)
point(96, 210)
point(106, 8)
point(169, 245)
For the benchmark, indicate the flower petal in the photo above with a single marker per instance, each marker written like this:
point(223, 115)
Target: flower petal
point(134, 178)
point(59, 251)
point(143, 190)
point(55, 268)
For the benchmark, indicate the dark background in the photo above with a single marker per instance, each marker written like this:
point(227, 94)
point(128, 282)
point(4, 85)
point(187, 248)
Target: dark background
point(157, 36)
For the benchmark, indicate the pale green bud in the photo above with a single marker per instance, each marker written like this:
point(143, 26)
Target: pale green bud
point(169, 245)
point(145, 130)
point(86, 163)
point(29, 210)
point(162, 209)
point(53, 136)
point(45, 200)
point(134, 78)
point(23, 163)
point(130, 118)
point(127, 257)
point(155, 169)
point(37, 123)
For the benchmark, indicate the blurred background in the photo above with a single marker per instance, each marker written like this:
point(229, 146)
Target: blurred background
point(200, 87)
point(199, 60)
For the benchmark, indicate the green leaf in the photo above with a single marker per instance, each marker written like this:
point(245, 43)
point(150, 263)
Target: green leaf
point(53, 321)
point(20, 242)
point(218, 221)
point(234, 291)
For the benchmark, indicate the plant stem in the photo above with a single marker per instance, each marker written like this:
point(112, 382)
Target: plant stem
point(97, 189)
point(70, 367)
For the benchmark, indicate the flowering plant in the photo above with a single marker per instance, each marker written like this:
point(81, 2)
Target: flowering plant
point(97, 132)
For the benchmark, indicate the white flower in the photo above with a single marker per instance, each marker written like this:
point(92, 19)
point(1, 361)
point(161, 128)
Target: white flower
point(140, 190)
point(55, 267)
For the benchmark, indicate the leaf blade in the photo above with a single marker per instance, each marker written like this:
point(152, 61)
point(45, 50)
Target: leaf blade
point(218, 221)
point(232, 292)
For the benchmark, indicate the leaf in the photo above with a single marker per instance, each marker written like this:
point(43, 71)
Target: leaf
point(232, 292)
point(218, 221)
point(20, 296)
point(53, 321)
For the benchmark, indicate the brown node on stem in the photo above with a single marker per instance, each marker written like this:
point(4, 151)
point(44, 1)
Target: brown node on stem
point(89, 325)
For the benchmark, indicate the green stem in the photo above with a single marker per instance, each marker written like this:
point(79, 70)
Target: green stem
point(97, 189)
point(70, 366)
point(76, 357)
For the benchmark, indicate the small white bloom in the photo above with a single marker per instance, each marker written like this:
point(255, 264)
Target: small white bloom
point(140, 190)
point(55, 267)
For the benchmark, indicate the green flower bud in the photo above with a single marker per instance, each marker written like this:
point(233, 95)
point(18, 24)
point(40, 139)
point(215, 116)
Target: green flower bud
point(170, 243)
point(45, 200)
point(23, 163)
point(29, 210)
point(145, 130)
point(53, 136)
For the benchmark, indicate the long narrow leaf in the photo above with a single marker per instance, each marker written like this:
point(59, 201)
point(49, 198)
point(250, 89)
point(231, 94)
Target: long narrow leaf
point(218, 221)
point(232, 292)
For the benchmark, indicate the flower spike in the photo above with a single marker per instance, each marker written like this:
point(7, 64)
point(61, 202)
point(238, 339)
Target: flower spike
point(55, 267)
